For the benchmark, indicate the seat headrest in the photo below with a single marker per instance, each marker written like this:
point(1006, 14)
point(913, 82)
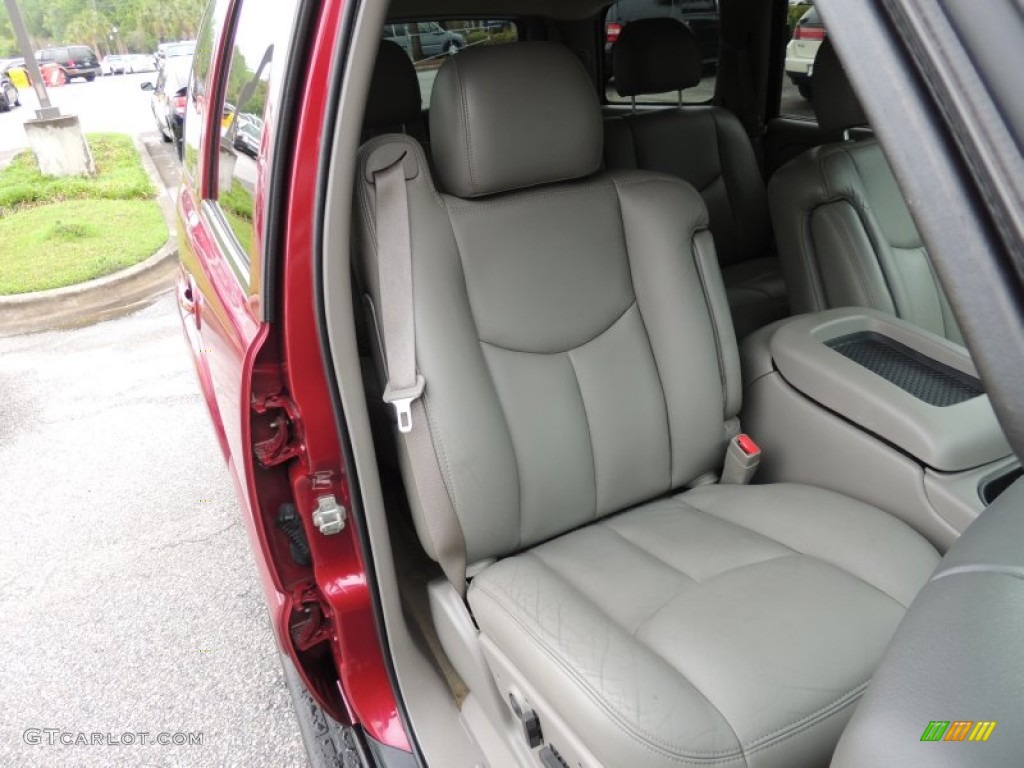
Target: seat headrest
point(835, 104)
point(511, 116)
point(654, 56)
point(394, 89)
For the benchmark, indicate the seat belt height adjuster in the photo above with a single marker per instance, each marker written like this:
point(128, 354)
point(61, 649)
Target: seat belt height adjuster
point(402, 400)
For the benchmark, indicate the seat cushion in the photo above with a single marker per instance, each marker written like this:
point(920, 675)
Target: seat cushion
point(757, 294)
point(726, 626)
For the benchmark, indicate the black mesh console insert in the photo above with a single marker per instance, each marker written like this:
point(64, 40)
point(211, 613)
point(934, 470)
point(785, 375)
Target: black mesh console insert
point(924, 378)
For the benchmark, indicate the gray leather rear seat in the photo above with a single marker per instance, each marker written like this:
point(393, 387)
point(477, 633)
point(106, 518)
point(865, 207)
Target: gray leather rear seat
point(846, 237)
point(581, 370)
point(707, 147)
point(394, 104)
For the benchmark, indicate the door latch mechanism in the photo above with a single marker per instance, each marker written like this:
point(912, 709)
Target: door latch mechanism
point(329, 516)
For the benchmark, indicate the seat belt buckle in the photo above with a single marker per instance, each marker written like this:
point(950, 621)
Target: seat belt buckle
point(402, 400)
point(742, 458)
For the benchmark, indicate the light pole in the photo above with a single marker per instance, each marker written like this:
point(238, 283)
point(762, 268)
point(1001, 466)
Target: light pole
point(46, 110)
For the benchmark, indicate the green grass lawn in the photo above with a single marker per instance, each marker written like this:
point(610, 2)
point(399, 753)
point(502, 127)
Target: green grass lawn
point(49, 246)
point(61, 231)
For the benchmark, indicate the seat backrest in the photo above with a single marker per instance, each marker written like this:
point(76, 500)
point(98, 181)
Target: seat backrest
point(845, 233)
point(571, 324)
point(705, 146)
point(394, 104)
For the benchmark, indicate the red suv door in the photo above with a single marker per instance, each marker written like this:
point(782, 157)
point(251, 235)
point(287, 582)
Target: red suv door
point(255, 362)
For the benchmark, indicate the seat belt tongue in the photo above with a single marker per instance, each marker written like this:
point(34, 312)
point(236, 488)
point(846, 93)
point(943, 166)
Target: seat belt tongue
point(402, 399)
point(742, 458)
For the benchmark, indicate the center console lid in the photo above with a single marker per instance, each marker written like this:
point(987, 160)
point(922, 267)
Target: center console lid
point(913, 389)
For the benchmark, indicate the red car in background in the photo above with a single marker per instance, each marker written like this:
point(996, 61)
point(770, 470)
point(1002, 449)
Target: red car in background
point(254, 295)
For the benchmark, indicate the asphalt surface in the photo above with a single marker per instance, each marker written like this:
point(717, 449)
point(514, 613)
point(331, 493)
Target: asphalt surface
point(130, 598)
point(106, 104)
point(129, 595)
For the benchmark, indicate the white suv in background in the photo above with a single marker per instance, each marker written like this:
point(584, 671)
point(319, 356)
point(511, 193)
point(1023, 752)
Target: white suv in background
point(800, 53)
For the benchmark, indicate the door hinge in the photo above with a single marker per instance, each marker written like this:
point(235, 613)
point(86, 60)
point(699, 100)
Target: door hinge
point(283, 443)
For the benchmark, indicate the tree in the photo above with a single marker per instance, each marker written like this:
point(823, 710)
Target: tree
point(141, 23)
point(89, 26)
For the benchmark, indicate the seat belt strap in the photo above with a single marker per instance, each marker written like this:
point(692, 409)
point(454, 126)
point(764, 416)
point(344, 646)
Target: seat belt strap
point(394, 249)
point(405, 386)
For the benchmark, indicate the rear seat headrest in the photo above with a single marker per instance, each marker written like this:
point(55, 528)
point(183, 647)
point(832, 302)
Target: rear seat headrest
point(511, 116)
point(835, 103)
point(394, 89)
point(655, 56)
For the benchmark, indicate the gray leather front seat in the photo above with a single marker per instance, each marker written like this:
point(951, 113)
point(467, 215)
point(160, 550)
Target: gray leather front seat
point(845, 234)
point(581, 371)
point(707, 147)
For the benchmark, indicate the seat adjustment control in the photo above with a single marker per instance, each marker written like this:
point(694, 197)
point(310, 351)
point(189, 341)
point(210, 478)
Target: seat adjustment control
point(550, 758)
point(530, 722)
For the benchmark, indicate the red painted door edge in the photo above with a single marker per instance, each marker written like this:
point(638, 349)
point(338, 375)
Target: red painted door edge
point(339, 570)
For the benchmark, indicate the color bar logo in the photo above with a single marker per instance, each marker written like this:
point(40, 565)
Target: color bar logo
point(958, 730)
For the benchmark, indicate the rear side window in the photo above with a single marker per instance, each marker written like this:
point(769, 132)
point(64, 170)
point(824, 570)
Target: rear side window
point(258, 52)
point(701, 16)
point(429, 43)
point(806, 33)
point(200, 86)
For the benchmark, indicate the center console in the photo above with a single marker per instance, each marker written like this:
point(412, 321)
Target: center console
point(862, 403)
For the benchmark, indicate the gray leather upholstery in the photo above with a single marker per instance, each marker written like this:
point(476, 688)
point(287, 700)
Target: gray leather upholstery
point(579, 362)
point(707, 147)
point(655, 56)
point(835, 103)
point(395, 98)
point(493, 124)
point(728, 626)
point(845, 234)
point(955, 658)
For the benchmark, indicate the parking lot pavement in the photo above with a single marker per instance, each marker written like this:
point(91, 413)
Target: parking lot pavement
point(113, 103)
point(130, 600)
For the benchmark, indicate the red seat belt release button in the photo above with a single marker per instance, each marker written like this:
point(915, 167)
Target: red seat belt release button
point(742, 458)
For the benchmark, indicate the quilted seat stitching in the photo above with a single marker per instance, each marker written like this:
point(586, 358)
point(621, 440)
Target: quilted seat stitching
point(676, 752)
point(652, 742)
point(633, 731)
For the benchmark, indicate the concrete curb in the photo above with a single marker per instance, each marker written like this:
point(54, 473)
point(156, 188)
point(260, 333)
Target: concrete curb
point(106, 296)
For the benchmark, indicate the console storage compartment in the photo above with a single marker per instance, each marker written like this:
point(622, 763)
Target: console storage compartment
point(865, 404)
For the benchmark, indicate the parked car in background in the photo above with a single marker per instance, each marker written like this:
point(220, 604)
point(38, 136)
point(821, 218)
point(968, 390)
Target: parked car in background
point(74, 61)
point(701, 16)
point(168, 96)
point(8, 93)
point(8, 64)
point(801, 50)
point(247, 134)
point(114, 64)
point(432, 38)
point(171, 50)
point(141, 62)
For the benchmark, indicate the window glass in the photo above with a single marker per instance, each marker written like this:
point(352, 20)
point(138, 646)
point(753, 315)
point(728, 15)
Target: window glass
point(429, 43)
point(701, 16)
point(260, 45)
point(200, 84)
point(806, 35)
